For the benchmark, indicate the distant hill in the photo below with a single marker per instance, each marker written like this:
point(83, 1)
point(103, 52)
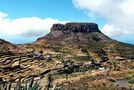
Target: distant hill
point(7, 47)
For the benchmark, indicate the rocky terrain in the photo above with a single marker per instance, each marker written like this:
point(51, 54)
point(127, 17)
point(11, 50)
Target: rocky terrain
point(71, 53)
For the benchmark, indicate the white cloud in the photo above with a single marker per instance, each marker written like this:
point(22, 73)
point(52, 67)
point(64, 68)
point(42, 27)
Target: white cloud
point(118, 13)
point(27, 27)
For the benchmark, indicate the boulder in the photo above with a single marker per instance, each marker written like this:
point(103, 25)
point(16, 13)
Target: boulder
point(16, 64)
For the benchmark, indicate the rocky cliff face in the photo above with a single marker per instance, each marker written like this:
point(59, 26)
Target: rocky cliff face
point(76, 27)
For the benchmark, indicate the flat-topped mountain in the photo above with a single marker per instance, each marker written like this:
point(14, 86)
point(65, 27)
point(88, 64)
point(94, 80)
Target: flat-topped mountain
point(71, 32)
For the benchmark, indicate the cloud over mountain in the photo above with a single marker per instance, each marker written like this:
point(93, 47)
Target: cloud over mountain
point(26, 27)
point(118, 13)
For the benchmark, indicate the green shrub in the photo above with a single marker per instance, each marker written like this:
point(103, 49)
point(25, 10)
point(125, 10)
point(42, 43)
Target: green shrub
point(29, 85)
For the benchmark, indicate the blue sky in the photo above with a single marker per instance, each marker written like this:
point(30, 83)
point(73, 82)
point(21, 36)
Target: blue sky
point(23, 21)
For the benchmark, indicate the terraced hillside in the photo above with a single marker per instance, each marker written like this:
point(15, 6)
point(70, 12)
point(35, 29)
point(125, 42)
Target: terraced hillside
point(20, 65)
